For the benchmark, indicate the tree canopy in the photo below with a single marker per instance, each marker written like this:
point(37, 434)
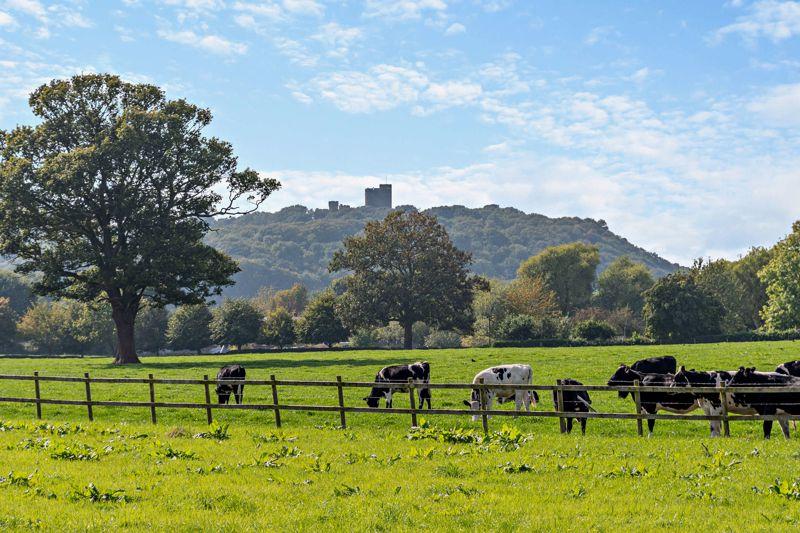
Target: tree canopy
point(781, 276)
point(320, 322)
point(677, 308)
point(569, 270)
point(406, 268)
point(622, 285)
point(189, 328)
point(110, 194)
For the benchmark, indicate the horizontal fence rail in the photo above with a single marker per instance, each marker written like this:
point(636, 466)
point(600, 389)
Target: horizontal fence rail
point(483, 413)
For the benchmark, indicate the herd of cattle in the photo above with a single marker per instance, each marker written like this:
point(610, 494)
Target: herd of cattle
point(652, 372)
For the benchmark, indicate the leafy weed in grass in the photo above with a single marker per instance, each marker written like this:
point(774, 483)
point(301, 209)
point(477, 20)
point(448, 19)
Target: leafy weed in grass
point(511, 468)
point(628, 471)
point(14, 480)
point(215, 432)
point(61, 429)
point(266, 460)
point(449, 470)
point(76, 452)
point(96, 495)
point(790, 491)
point(6, 426)
point(168, 452)
point(346, 490)
point(447, 491)
point(319, 467)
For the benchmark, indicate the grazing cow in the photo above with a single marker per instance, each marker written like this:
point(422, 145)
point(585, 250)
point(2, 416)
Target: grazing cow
point(665, 364)
point(503, 375)
point(710, 402)
point(764, 403)
point(398, 375)
point(224, 390)
point(652, 402)
point(792, 368)
point(574, 401)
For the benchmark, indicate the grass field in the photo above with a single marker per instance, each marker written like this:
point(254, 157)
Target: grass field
point(64, 472)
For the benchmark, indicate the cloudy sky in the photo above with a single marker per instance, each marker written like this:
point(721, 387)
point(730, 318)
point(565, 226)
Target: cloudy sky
point(676, 122)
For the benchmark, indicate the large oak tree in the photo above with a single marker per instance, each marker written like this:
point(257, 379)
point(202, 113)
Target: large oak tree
point(405, 268)
point(110, 195)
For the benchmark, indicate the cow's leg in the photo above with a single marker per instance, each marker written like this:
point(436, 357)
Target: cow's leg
point(239, 393)
point(715, 424)
point(527, 400)
point(388, 395)
point(583, 426)
point(651, 422)
point(784, 424)
point(489, 399)
point(767, 428)
point(518, 399)
point(569, 426)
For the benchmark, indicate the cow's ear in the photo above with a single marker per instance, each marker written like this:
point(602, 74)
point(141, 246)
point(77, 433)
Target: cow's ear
point(682, 369)
point(467, 403)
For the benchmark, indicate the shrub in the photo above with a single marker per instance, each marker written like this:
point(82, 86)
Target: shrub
point(364, 338)
point(237, 321)
point(593, 330)
point(443, 339)
point(279, 328)
point(189, 328)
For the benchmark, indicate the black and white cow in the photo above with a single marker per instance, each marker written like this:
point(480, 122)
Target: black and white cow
point(574, 402)
point(764, 403)
point(792, 368)
point(652, 402)
point(711, 403)
point(224, 390)
point(398, 376)
point(665, 364)
point(503, 375)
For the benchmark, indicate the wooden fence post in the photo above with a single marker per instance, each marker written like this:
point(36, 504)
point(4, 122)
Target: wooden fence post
point(38, 395)
point(342, 418)
point(484, 416)
point(560, 407)
point(88, 397)
point(637, 398)
point(209, 416)
point(275, 401)
point(413, 403)
point(152, 399)
point(723, 397)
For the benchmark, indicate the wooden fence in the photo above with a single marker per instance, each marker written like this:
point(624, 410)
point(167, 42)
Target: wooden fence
point(276, 407)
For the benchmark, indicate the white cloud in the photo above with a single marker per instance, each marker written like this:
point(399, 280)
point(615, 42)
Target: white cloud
point(337, 39)
point(599, 34)
point(296, 52)
point(771, 19)
point(640, 75)
point(402, 9)
point(304, 7)
point(30, 7)
point(262, 9)
point(6, 19)
point(209, 43)
point(56, 15)
point(385, 87)
point(780, 106)
point(455, 29)
point(493, 6)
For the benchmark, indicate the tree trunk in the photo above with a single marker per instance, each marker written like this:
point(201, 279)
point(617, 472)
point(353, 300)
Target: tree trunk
point(408, 339)
point(124, 319)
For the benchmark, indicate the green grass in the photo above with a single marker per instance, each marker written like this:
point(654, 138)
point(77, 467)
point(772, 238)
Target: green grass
point(120, 471)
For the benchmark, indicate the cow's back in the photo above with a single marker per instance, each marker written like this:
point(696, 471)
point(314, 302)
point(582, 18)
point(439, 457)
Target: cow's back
point(665, 364)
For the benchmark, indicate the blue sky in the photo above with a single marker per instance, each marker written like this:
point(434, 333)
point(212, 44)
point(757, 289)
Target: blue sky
point(676, 122)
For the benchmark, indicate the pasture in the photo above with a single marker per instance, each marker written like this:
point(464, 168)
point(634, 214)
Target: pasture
point(243, 474)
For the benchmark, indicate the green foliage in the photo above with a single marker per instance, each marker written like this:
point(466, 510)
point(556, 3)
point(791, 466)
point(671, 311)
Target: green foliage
point(782, 279)
point(443, 339)
point(110, 194)
point(363, 338)
point(406, 269)
point(278, 328)
point(320, 322)
point(189, 328)
point(676, 308)
point(215, 432)
point(151, 328)
point(622, 285)
point(96, 495)
point(568, 270)
point(753, 293)
point(526, 327)
point(491, 308)
point(236, 321)
point(8, 324)
point(294, 299)
point(18, 290)
point(593, 330)
point(719, 279)
point(295, 244)
point(66, 326)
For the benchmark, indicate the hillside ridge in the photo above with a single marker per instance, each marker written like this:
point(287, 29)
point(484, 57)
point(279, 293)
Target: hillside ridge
point(294, 244)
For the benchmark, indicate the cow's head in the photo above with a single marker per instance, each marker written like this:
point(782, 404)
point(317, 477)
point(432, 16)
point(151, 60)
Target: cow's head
point(474, 401)
point(374, 397)
point(624, 376)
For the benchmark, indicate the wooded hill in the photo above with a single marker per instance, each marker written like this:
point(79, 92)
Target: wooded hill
point(295, 244)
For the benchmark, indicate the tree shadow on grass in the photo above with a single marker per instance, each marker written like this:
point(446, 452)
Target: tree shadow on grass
point(262, 364)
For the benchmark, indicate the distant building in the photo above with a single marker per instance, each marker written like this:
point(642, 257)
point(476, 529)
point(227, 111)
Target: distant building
point(333, 205)
point(379, 197)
